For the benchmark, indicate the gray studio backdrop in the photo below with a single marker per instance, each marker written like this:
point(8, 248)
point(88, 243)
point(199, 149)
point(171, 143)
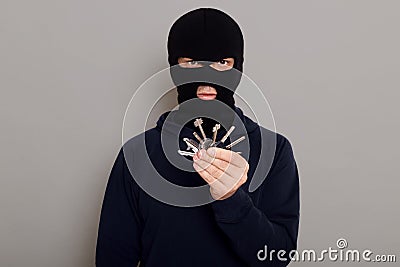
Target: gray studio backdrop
point(330, 70)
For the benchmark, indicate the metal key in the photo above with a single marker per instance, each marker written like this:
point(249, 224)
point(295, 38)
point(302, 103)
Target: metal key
point(186, 153)
point(205, 142)
point(197, 136)
point(223, 139)
point(191, 144)
point(237, 141)
point(198, 123)
point(215, 130)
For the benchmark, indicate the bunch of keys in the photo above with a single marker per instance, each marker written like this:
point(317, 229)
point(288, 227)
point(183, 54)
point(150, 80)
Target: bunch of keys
point(205, 142)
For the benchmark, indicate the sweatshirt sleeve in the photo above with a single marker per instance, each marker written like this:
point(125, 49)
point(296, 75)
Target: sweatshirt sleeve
point(119, 227)
point(268, 221)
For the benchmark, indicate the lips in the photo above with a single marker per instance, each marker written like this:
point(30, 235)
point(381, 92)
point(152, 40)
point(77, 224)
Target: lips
point(207, 96)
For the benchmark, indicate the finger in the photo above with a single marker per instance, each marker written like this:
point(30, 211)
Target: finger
point(225, 186)
point(228, 167)
point(205, 175)
point(222, 164)
point(217, 189)
point(232, 178)
point(210, 168)
point(231, 183)
point(212, 173)
point(227, 155)
point(211, 181)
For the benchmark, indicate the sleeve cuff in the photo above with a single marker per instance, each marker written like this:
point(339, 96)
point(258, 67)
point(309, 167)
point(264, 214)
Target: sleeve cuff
point(234, 208)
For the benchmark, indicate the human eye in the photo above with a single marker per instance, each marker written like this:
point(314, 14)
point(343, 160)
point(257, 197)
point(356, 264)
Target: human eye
point(193, 62)
point(223, 64)
point(186, 62)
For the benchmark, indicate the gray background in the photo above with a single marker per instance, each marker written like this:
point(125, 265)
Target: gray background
point(69, 68)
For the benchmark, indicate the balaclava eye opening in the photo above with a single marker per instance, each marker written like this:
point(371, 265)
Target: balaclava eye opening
point(206, 34)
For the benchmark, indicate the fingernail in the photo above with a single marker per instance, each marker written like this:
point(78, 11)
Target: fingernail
point(197, 156)
point(211, 151)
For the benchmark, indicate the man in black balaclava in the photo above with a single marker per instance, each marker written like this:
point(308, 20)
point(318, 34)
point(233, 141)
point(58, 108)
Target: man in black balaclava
point(238, 228)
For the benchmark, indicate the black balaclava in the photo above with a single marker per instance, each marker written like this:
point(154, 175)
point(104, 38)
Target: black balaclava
point(206, 34)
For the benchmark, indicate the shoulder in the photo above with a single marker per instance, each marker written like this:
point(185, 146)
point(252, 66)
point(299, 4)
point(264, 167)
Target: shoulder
point(138, 140)
point(283, 145)
point(278, 148)
point(274, 144)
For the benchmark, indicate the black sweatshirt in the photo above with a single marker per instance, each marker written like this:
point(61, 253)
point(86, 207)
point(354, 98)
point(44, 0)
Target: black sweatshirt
point(136, 227)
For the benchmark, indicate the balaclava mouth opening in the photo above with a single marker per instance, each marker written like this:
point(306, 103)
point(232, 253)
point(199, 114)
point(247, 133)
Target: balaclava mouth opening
point(209, 35)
